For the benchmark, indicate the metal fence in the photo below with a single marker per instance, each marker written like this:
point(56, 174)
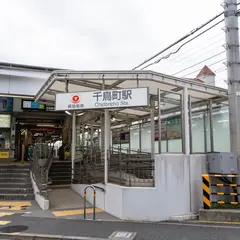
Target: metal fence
point(130, 168)
point(89, 166)
point(125, 167)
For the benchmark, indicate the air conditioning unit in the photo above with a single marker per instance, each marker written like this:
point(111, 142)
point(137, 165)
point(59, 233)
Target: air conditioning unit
point(222, 163)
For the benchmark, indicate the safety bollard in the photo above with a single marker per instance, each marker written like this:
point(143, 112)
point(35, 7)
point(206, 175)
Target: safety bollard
point(94, 201)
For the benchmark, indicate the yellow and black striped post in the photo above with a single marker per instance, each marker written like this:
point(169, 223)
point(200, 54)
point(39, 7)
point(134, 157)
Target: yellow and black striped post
point(206, 191)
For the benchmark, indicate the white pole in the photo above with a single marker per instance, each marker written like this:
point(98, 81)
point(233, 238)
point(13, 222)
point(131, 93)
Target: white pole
point(107, 127)
point(73, 148)
point(186, 122)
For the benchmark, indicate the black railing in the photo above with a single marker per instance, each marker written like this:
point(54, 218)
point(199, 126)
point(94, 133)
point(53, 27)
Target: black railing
point(125, 167)
point(89, 168)
point(130, 168)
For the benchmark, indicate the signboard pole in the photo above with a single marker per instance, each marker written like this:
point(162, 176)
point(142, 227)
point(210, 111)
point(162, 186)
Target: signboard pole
point(107, 126)
point(73, 148)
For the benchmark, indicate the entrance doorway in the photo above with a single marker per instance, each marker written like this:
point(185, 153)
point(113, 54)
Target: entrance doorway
point(34, 128)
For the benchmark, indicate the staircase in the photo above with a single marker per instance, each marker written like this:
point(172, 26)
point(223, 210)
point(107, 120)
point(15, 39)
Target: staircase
point(60, 173)
point(15, 183)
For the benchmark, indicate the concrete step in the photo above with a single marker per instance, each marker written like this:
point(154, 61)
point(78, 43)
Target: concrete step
point(60, 177)
point(219, 215)
point(60, 168)
point(14, 167)
point(62, 163)
point(17, 197)
point(13, 174)
point(16, 190)
point(18, 170)
point(16, 185)
point(60, 173)
point(15, 179)
point(61, 182)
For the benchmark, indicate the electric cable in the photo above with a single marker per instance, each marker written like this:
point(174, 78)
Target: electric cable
point(167, 56)
point(201, 68)
point(179, 40)
point(186, 59)
point(203, 47)
point(199, 63)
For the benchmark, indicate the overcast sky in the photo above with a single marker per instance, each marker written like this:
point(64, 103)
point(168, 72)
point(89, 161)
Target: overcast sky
point(95, 34)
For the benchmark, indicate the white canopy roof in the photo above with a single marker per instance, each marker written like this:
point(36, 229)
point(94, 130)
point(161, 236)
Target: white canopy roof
point(81, 81)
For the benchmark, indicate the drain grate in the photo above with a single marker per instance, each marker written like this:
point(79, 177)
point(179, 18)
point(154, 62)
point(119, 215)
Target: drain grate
point(14, 229)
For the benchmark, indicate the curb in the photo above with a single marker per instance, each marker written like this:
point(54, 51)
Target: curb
point(21, 236)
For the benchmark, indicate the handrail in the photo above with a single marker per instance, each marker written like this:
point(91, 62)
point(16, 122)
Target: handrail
point(40, 173)
point(129, 150)
point(97, 187)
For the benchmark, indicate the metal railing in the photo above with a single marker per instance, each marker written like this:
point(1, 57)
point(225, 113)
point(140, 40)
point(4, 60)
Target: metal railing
point(89, 168)
point(40, 165)
point(126, 167)
point(130, 168)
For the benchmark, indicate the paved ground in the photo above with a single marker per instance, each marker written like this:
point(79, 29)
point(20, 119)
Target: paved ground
point(145, 231)
point(68, 222)
point(65, 204)
point(65, 198)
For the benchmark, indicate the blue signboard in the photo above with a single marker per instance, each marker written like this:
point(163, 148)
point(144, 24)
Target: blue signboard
point(32, 105)
point(6, 104)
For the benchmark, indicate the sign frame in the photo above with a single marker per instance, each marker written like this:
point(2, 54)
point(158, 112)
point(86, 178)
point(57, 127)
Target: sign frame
point(101, 91)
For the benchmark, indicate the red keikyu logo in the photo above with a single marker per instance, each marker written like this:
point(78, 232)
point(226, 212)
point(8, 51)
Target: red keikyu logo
point(75, 99)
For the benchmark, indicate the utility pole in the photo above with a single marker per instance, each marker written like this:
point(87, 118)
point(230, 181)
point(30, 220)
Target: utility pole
point(233, 73)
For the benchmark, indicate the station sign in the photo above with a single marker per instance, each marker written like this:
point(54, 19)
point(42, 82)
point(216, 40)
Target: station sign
point(116, 98)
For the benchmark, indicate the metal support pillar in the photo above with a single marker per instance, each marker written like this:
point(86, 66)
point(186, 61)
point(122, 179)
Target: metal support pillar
point(73, 148)
point(83, 135)
point(186, 122)
point(102, 133)
point(211, 127)
point(205, 132)
point(152, 131)
point(233, 73)
point(98, 143)
point(140, 136)
point(91, 141)
point(159, 123)
point(190, 123)
point(107, 128)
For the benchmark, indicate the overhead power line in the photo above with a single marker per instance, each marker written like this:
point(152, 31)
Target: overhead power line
point(201, 68)
point(168, 55)
point(194, 65)
point(202, 51)
point(179, 40)
point(193, 56)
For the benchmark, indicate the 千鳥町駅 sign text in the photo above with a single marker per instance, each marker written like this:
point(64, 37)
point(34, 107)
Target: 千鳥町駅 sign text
point(116, 98)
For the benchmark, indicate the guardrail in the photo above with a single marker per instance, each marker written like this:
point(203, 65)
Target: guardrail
point(220, 191)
